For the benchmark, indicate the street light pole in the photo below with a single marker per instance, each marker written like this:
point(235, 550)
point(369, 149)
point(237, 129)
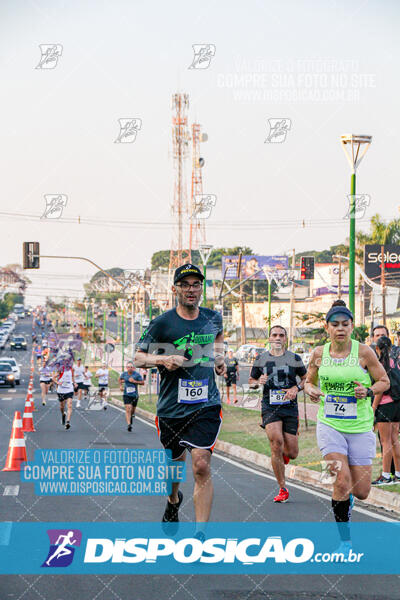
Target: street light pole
point(351, 145)
point(205, 251)
point(86, 305)
point(92, 304)
point(104, 324)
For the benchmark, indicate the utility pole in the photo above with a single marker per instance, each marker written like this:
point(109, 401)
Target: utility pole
point(383, 284)
point(340, 278)
point(242, 305)
point(292, 300)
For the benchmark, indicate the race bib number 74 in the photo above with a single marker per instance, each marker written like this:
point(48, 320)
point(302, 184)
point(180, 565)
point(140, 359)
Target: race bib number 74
point(191, 391)
point(340, 407)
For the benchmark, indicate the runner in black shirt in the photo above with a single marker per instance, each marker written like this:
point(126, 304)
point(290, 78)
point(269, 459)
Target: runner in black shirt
point(180, 343)
point(279, 370)
point(232, 372)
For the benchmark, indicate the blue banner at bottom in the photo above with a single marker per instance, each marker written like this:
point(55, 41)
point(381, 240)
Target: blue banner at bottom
point(178, 548)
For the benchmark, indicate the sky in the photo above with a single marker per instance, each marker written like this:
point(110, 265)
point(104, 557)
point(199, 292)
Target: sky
point(325, 68)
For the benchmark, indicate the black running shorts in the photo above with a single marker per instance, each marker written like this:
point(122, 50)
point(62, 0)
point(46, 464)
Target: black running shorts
point(130, 399)
point(199, 429)
point(231, 379)
point(288, 416)
point(63, 397)
point(388, 413)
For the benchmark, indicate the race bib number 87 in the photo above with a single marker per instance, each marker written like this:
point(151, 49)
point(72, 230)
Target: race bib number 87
point(340, 407)
point(192, 391)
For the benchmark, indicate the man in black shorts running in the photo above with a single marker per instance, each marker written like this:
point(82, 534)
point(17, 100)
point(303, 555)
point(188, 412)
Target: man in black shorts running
point(282, 373)
point(186, 345)
point(231, 375)
point(128, 382)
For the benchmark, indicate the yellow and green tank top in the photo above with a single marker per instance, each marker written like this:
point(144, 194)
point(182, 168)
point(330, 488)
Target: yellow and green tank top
point(339, 407)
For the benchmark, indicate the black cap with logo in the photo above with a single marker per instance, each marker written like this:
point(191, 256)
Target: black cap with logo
point(186, 270)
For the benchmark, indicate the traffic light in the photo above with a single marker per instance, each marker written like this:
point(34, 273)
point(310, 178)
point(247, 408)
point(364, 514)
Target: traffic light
point(307, 267)
point(31, 253)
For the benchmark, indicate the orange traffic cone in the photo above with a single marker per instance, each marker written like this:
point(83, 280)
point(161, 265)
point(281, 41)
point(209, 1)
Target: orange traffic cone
point(16, 449)
point(27, 419)
point(30, 398)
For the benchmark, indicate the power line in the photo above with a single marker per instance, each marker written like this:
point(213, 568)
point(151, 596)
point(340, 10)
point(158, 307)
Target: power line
point(129, 224)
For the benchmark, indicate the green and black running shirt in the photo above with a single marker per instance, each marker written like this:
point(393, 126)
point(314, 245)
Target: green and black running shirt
point(192, 386)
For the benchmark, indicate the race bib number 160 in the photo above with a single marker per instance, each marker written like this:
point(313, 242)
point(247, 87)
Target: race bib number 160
point(192, 391)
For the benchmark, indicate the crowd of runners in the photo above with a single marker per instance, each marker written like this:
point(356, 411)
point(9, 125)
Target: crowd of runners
point(353, 383)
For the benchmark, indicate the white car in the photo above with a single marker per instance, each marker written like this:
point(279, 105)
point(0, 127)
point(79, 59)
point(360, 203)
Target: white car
point(243, 352)
point(13, 316)
point(10, 324)
point(16, 367)
point(3, 341)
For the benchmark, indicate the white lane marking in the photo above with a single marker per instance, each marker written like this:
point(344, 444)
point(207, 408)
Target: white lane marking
point(363, 511)
point(11, 490)
point(6, 398)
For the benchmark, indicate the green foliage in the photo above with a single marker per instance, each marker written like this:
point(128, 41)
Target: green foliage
point(8, 302)
point(316, 324)
point(360, 333)
point(325, 256)
point(114, 272)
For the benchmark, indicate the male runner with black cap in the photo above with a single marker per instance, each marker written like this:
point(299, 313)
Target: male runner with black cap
point(282, 375)
point(186, 345)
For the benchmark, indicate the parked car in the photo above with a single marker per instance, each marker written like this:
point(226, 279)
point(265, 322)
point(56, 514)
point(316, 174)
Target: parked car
point(10, 324)
point(18, 342)
point(16, 367)
point(243, 351)
point(6, 375)
point(254, 353)
point(3, 341)
point(5, 332)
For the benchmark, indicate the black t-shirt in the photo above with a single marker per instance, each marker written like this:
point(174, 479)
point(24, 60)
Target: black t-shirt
point(282, 372)
point(231, 364)
point(192, 386)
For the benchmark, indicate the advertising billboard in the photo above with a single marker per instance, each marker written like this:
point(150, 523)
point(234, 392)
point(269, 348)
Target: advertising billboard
point(251, 264)
point(373, 262)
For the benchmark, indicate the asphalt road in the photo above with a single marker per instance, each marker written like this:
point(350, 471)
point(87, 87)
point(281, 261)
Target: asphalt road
point(112, 326)
point(241, 494)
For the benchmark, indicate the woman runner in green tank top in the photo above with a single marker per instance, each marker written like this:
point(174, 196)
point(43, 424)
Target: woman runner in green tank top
point(345, 370)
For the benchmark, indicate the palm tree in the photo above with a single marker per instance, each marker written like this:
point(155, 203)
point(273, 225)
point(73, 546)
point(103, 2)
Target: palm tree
point(380, 232)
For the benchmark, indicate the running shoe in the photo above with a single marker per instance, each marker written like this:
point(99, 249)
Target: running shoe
point(44, 403)
point(129, 427)
point(67, 425)
point(78, 405)
point(395, 479)
point(283, 496)
point(344, 549)
point(171, 510)
point(382, 481)
point(63, 419)
point(286, 459)
point(201, 536)
point(105, 407)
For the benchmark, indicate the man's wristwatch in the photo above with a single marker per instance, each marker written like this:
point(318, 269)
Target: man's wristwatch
point(370, 393)
point(298, 387)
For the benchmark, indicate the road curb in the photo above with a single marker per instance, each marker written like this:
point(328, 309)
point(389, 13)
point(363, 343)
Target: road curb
point(377, 498)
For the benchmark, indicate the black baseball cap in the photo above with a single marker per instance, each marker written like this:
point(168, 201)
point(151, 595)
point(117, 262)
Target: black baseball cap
point(186, 270)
